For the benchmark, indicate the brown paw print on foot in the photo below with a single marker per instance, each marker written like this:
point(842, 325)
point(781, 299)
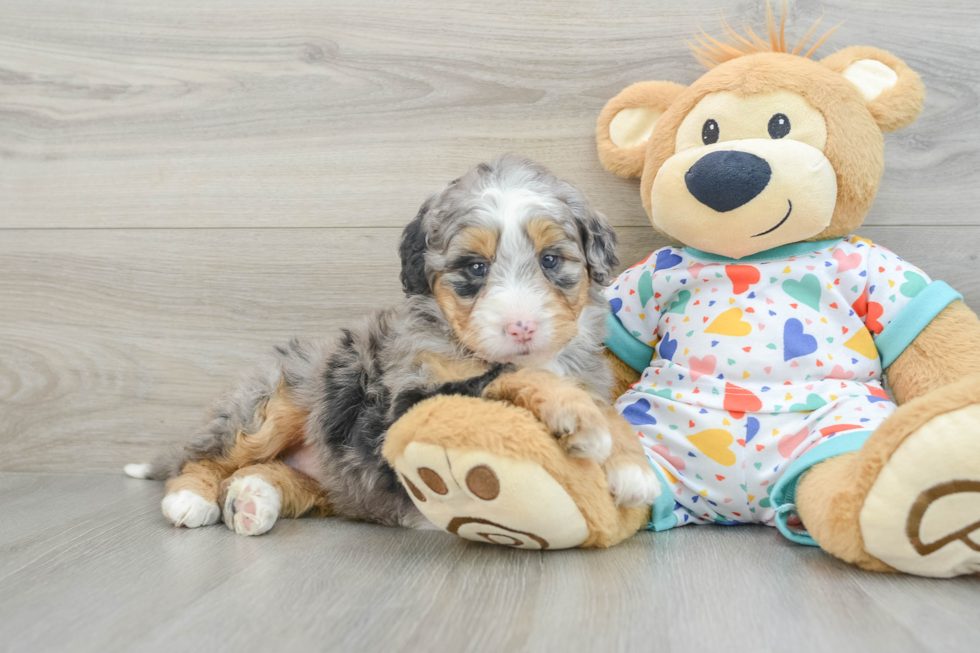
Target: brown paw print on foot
point(922, 514)
point(481, 496)
point(483, 483)
point(918, 525)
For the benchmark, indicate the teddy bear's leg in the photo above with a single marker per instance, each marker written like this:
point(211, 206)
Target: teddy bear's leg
point(491, 472)
point(909, 499)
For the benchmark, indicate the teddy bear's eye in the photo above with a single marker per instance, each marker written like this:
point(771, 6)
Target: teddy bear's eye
point(779, 125)
point(709, 133)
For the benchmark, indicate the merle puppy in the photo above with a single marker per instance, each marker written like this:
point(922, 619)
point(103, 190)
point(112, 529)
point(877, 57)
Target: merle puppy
point(501, 271)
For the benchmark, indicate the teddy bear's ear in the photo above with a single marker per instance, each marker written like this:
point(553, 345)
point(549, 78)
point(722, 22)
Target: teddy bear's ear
point(626, 123)
point(893, 91)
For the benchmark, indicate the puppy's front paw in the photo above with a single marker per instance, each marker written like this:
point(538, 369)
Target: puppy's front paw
point(251, 506)
point(580, 427)
point(633, 485)
point(591, 443)
point(569, 412)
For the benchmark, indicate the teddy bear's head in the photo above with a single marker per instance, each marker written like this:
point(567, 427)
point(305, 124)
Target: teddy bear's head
point(769, 147)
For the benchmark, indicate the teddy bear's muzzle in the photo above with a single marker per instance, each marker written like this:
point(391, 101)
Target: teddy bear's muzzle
point(727, 180)
point(740, 197)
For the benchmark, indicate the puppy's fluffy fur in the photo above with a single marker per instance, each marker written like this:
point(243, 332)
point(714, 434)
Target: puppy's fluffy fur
point(508, 243)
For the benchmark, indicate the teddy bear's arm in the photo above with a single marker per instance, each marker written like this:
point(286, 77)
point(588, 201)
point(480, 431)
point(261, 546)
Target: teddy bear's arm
point(623, 375)
point(947, 350)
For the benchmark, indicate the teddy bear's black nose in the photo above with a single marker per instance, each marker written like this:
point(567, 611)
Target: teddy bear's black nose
point(727, 180)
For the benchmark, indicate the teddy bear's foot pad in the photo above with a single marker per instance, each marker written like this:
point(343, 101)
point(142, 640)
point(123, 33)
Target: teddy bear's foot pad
point(489, 498)
point(922, 515)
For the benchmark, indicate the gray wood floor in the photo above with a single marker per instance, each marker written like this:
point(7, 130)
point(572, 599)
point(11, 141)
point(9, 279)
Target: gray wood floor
point(184, 183)
point(87, 563)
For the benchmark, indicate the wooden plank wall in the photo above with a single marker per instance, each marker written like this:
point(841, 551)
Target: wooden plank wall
point(184, 183)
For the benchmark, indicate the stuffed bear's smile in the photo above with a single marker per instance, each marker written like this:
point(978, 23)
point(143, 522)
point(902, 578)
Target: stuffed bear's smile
point(780, 223)
point(739, 197)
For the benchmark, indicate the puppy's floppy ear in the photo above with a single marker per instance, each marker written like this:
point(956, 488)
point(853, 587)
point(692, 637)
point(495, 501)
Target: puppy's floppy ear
point(893, 92)
point(600, 249)
point(412, 250)
point(598, 238)
point(626, 123)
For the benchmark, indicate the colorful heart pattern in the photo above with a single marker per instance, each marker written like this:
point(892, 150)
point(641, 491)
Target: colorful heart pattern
point(715, 443)
point(638, 414)
point(806, 290)
point(742, 277)
point(730, 323)
point(756, 363)
point(796, 342)
point(701, 366)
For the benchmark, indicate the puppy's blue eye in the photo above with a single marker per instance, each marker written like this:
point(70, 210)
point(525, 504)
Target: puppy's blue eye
point(478, 269)
point(549, 261)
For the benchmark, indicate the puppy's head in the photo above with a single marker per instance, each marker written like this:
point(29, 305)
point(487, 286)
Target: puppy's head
point(510, 253)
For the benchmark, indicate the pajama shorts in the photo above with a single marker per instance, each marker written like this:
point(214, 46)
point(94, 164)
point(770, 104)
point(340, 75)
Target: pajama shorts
point(720, 467)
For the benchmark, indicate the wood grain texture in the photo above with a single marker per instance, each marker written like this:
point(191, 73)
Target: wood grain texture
point(231, 113)
point(103, 572)
point(183, 185)
point(113, 341)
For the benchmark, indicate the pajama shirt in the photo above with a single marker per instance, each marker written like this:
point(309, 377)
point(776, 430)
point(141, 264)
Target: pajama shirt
point(755, 369)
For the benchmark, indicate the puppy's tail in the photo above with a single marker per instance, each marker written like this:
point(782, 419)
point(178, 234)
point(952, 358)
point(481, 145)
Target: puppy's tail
point(165, 467)
point(139, 470)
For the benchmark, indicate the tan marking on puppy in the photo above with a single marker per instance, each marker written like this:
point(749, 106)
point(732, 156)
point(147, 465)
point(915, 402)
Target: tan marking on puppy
point(544, 233)
point(565, 312)
point(479, 240)
point(457, 311)
point(302, 496)
point(441, 369)
point(201, 478)
point(283, 425)
point(564, 306)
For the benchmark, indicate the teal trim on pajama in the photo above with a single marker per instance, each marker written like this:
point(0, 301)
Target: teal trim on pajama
point(624, 344)
point(915, 317)
point(784, 494)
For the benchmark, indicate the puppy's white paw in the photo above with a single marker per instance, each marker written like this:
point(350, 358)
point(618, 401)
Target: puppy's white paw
point(592, 443)
point(251, 506)
point(184, 508)
point(632, 485)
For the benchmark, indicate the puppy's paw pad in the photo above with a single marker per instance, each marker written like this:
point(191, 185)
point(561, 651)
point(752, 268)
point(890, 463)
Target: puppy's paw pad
point(251, 506)
point(632, 485)
point(185, 508)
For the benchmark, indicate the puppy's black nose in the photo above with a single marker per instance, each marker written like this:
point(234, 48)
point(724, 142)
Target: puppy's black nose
point(727, 180)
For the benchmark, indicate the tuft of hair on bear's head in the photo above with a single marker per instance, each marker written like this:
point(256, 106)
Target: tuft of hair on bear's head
point(711, 52)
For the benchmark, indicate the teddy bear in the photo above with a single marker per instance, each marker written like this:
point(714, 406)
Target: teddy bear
point(751, 353)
